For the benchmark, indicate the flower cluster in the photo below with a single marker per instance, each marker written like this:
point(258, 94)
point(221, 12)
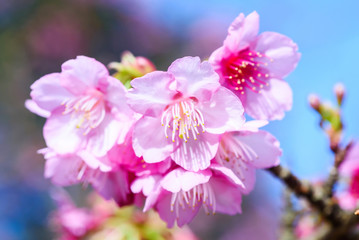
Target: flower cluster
point(177, 140)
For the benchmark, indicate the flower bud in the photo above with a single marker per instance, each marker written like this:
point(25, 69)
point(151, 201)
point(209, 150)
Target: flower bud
point(314, 101)
point(339, 91)
point(131, 67)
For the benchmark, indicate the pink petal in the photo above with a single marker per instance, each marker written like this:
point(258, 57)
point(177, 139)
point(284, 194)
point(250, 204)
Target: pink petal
point(253, 125)
point(150, 141)
point(116, 97)
point(82, 73)
point(228, 196)
point(151, 93)
point(94, 162)
point(63, 170)
point(146, 184)
point(61, 134)
point(34, 108)
point(48, 93)
point(242, 32)
point(281, 49)
point(228, 174)
point(265, 146)
point(185, 214)
point(102, 138)
point(224, 112)
point(271, 103)
point(180, 179)
point(351, 161)
point(197, 154)
point(194, 79)
point(113, 185)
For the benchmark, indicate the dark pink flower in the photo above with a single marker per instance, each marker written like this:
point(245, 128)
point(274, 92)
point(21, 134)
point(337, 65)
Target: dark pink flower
point(184, 111)
point(253, 67)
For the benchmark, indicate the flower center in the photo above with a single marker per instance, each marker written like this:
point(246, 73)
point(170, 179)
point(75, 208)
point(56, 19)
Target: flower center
point(184, 119)
point(202, 193)
point(246, 70)
point(234, 154)
point(89, 110)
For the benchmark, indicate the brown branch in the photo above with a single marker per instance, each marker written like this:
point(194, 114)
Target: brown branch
point(329, 210)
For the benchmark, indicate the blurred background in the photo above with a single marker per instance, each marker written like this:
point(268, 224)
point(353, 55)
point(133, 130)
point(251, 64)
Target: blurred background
point(37, 36)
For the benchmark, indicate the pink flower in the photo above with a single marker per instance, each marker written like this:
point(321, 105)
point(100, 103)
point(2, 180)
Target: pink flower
point(349, 199)
point(86, 108)
point(180, 194)
point(246, 150)
point(110, 181)
point(253, 67)
point(184, 111)
point(74, 222)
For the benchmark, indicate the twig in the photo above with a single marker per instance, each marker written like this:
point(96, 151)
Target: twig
point(329, 210)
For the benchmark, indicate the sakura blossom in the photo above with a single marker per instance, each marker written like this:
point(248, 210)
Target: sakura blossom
point(184, 112)
point(178, 195)
point(253, 67)
point(84, 106)
point(246, 150)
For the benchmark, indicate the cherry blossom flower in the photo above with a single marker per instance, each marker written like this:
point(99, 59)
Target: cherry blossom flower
point(84, 106)
point(109, 180)
point(246, 150)
point(179, 194)
point(253, 67)
point(349, 198)
point(184, 111)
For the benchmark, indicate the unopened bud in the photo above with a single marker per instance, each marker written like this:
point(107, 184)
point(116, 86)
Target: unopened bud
point(314, 101)
point(131, 67)
point(339, 91)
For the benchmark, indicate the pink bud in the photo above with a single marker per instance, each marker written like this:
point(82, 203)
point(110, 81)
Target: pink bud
point(314, 101)
point(339, 91)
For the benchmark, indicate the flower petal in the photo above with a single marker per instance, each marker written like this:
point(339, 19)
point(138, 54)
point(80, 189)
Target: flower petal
point(264, 145)
point(149, 141)
point(224, 112)
point(180, 179)
point(151, 93)
point(48, 93)
point(196, 155)
point(271, 103)
point(83, 72)
point(281, 49)
point(61, 134)
point(34, 108)
point(242, 32)
point(194, 79)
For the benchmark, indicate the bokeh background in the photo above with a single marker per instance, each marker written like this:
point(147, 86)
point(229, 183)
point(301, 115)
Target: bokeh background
point(37, 36)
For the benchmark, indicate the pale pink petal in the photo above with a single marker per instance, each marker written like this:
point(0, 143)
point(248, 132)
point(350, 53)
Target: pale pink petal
point(196, 155)
point(150, 141)
point(82, 73)
point(242, 32)
point(151, 93)
point(180, 179)
point(116, 96)
point(184, 216)
point(271, 103)
point(262, 149)
point(224, 112)
point(63, 170)
point(61, 133)
point(281, 49)
point(34, 108)
point(228, 196)
point(93, 161)
point(253, 125)
point(227, 173)
point(194, 79)
point(48, 93)
point(102, 138)
point(146, 184)
point(347, 201)
point(249, 179)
